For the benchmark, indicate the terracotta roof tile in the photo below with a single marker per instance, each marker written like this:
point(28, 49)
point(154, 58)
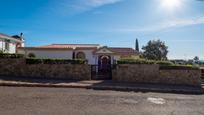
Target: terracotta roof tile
point(116, 50)
point(68, 46)
point(123, 51)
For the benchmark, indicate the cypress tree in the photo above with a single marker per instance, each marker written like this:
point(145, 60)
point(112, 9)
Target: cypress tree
point(137, 45)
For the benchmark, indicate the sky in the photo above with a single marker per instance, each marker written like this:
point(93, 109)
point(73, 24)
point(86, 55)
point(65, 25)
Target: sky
point(115, 23)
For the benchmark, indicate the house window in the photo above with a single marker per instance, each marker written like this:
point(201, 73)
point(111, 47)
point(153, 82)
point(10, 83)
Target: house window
point(80, 55)
point(7, 45)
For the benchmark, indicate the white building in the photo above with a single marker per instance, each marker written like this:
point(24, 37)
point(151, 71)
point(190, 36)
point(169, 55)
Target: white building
point(9, 44)
point(93, 53)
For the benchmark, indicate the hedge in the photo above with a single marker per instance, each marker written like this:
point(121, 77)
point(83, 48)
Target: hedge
point(167, 63)
point(163, 64)
point(7, 55)
point(179, 67)
point(134, 61)
point(54, 61)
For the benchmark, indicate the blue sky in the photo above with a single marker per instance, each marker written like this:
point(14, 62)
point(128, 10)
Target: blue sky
point(108, 22)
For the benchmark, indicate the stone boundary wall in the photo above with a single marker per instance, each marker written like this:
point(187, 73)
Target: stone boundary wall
point(146, 73)
point(181, 76)
point(18, 67)
point(139, 73)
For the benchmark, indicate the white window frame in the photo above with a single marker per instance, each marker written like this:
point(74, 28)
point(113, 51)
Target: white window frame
point(7, 45)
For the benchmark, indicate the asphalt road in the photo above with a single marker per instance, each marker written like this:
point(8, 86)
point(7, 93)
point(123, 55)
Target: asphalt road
point(65, 101)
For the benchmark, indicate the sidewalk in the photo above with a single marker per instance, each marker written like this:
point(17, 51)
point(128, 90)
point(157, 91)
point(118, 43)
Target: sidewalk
point(99, 85)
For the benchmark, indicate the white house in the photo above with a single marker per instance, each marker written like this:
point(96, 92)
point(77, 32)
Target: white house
point(93, 53)
point(9, 44)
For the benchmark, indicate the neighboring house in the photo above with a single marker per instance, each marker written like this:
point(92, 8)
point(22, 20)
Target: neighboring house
point(9, 44)
point(93, 53)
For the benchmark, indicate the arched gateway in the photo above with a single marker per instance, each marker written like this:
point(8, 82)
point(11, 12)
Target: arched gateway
point(104, 63)
point(103, 69)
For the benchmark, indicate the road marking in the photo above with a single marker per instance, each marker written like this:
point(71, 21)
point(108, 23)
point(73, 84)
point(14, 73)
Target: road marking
point(156, 100)
point(131, 101)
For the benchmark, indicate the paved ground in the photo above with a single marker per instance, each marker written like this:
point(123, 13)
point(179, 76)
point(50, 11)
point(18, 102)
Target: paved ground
point(66, 101)
point(99, 84)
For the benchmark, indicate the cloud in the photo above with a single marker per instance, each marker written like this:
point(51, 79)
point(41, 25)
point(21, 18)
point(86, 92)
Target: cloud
point(185, 22)
point(98, 3)
point(167, 25)
point(80, 6)
point(182, 41)
point(98, 12)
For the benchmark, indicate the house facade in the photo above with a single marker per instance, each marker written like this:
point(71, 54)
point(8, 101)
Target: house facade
point(9, 44)
point(93, 53)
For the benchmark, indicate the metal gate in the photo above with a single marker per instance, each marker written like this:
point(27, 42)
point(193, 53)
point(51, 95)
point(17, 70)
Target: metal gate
point(101, 72)
point(202, 76)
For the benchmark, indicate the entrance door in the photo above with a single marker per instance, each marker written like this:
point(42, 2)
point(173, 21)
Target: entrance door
point(103, 69)
point(104, 64)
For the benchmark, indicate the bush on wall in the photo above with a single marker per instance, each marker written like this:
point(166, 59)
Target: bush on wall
point(163, 64)
point(1, 52)
point(186, 67)
point(134, 61)
point(31, 55)
point(167, 63)
point(55, 61)
point(6, 55)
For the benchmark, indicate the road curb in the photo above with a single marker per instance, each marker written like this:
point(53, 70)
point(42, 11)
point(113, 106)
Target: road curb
point(43, 85)
point(143, 89)
point(103, 87)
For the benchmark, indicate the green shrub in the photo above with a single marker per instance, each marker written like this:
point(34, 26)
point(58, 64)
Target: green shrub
point(164, 63)
point(7, 55)
point(135, 61)
point(1, 52)
point(31, 55)
point(178, 67)
point(34, 61)
point(54, 61)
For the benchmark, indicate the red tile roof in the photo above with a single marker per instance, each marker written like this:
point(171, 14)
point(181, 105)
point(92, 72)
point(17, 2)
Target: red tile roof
point(70, 46)
point(116, 50)
point(120, 51)
point(123, 51)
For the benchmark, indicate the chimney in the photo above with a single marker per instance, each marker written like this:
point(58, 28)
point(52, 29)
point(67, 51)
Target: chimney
point(21, 35)
point(22, 39)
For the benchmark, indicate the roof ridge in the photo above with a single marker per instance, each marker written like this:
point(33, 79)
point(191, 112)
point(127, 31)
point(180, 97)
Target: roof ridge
point(5, 35)
point(10, 37)
point(74, 44)
point(122, 47)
